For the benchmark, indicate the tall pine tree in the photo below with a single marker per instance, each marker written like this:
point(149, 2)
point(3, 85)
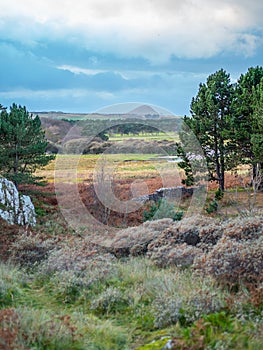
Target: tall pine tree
point(23, 145)
point(211, 113)
point(248, 110)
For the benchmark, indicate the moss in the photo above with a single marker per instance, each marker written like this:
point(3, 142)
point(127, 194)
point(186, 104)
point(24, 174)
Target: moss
point(158, 344)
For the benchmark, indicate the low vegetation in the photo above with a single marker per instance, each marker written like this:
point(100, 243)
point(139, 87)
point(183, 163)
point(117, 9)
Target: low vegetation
point(195, 283)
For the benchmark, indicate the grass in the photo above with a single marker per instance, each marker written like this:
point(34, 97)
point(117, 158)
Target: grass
point(128, 307)
point(77, 168)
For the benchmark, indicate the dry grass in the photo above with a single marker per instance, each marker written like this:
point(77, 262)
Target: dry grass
point(76, 168)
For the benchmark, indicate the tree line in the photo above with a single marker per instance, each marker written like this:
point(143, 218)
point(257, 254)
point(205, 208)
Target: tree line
point(227, 120)
point(128, 126)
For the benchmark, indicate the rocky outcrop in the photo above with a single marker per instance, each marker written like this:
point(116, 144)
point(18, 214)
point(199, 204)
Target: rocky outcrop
point(169, 193)
point(15, 208)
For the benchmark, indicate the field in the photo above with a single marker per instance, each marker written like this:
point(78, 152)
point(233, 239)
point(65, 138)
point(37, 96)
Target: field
point(91, 278)
point(170, 136)
point(137, 166)
point(154, 171)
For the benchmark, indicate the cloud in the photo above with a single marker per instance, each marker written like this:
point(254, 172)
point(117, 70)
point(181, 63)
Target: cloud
point(70, 100)
point(88, 93)
point(81, 55)
point(153, 29)
point(79, 70)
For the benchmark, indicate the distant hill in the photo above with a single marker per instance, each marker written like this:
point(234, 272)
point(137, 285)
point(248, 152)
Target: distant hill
point(144, 110)
point(140, 112)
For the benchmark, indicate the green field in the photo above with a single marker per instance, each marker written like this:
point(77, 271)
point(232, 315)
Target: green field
point(170, 136)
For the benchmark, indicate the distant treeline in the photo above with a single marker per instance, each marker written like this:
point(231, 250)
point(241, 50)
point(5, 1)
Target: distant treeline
point(132, 126)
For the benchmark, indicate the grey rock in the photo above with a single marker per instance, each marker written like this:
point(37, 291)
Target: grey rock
point(15, 208)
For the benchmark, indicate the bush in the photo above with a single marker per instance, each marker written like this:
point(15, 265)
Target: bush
point(245, 228)
point(135, 240)
point(71, 273)
point(112, 300)
point(31, 249)
point(212, 207)
point(183, 241)
point(219, 194)
point(167, 312)
point(68, 286)
point(233, 262)
point(186, 310)
point(162, 209)
point(181, 255)
point(77, 257)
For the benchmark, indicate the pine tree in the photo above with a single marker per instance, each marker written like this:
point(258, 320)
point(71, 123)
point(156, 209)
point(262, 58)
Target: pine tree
point(211, 113)
point(23, 145)
point(257, 136)
point(247, 126)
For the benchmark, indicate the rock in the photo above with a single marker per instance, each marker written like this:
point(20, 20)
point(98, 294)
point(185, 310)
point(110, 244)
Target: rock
point(192, 238)
point(15, 208)
point(169, 193)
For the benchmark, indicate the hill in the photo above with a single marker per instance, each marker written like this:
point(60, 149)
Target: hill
point(144, 111)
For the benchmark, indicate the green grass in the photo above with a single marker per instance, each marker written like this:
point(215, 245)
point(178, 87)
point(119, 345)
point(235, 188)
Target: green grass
point(170, 136)
point(119, 310)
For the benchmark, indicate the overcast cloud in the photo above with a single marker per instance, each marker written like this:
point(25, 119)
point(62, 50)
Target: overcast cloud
point(124, 44)
point(155, 29)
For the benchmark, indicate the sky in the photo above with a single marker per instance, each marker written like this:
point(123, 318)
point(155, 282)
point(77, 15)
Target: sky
point(85, 55)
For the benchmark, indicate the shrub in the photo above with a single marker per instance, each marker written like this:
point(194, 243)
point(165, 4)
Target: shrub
point(186, 310)
point(76, 146)
point(111, 300)
point(72, 272)
point(135, 240)
point(30, 249)
point(77, 257)
point(245, 228)
point(212, 207)
point(167, 312)
point(202, 302)
point(181, 242)
point(181, 255)
point(233, 262)
point(219, 194)
point(67, 286)
point(162, 209)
